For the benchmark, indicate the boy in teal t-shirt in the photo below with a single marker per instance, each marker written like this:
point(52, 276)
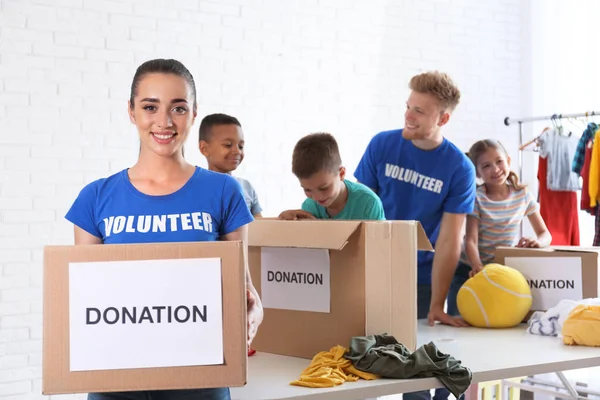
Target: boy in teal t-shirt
point(317, 164)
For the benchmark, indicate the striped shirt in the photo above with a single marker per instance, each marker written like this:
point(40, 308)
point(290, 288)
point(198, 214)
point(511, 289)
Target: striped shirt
point(499, 221)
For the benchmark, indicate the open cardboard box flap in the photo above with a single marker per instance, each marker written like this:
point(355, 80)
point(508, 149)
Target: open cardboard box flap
point(319, 234)
point(423, 242)
point(551, 249)
point(576, 249)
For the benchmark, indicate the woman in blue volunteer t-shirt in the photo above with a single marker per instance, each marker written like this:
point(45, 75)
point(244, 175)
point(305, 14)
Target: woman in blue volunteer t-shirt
point(163, 198)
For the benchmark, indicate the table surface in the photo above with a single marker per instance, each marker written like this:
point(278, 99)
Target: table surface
point(490, 354)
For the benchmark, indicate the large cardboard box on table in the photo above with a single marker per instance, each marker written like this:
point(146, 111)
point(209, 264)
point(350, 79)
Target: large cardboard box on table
point(144, 317)
point(324, 282)
point(555, 273)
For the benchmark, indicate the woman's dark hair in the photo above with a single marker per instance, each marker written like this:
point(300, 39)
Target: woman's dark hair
point(164, 66)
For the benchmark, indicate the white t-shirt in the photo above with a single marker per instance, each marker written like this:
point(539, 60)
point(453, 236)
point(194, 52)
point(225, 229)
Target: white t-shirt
point(560, 150)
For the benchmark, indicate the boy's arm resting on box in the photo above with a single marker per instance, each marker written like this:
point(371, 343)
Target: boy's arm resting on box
point(472, 244)
point(308, 211)
point(445, 260)
point(83, 237)
point(254, 304)
point(291, 215)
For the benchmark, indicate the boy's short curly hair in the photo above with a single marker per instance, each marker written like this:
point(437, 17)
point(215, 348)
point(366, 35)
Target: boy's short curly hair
point(212, 120)
point(315, 153)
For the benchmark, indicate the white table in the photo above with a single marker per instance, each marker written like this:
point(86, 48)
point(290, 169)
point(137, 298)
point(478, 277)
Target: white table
point(489, 354)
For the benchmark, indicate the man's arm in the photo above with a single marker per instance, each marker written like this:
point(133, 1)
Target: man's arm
point(445, 260)
point(472, 244)
point(255, 309)
point(366, 170)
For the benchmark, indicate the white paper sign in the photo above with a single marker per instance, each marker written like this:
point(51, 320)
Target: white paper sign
point(551, 279)
point(295, 279)
point(145, 314)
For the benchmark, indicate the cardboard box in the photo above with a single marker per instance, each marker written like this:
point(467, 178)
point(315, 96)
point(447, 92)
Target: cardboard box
point(144, 317)
point(323, 282)
point(555, 273)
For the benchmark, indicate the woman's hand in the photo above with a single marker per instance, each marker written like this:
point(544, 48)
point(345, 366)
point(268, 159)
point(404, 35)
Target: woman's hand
point(255, 316)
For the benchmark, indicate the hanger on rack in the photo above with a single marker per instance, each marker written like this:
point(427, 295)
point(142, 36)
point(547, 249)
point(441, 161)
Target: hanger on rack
point(534, 141)
point(579, 123)
point(589, 118)
point(558, 126)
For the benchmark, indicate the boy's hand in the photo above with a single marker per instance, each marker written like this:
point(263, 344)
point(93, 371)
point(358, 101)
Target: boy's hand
point(527, 242)
point(291, 215)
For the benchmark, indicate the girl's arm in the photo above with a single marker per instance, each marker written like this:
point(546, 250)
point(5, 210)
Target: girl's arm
point(472, 244)
point(544, 238)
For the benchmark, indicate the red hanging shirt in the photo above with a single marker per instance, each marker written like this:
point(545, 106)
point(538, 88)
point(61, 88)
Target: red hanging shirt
point(559, 210)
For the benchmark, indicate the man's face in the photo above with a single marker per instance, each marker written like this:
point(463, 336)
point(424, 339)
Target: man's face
point(423, 117)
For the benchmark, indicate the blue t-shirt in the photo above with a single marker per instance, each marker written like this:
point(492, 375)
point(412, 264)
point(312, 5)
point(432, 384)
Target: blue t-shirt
point(208, 206)
point(418, 185)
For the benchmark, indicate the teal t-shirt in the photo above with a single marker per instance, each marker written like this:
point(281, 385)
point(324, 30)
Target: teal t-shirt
point(362, 203)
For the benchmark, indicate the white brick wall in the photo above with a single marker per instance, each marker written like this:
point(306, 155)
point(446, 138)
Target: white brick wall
point(285, 68)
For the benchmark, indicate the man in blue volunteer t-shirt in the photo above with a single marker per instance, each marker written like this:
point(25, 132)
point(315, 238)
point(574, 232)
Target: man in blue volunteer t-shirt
point(420, 175)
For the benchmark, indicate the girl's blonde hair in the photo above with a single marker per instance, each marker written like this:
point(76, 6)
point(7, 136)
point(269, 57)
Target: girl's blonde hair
point(482, 146)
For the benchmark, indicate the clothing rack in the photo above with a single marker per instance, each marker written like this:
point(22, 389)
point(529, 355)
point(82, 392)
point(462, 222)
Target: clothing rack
point(553, 117)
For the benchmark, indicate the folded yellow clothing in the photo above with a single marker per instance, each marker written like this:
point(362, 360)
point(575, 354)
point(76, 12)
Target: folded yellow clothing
point(330, 368)
point(582, 326)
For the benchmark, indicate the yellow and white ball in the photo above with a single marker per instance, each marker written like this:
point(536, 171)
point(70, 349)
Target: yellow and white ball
point(497, 297)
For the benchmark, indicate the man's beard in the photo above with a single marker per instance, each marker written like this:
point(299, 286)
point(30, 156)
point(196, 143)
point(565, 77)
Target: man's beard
point(417, 134)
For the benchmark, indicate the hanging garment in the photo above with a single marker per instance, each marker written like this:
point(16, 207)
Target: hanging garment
point(558, 210)
point(585, 174)
point(594, 175)
point(578, 160)
point(383, 356)
point(597, 234)
point(559, 150)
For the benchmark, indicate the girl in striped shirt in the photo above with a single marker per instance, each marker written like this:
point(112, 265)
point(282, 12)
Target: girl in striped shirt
point(501, 204)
